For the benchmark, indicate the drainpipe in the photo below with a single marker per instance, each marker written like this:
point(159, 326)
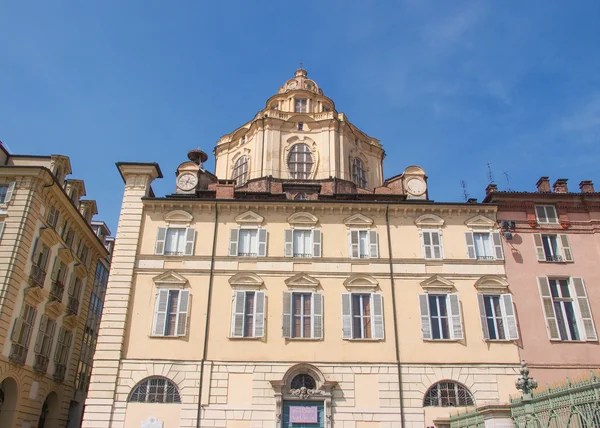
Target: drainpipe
point(262, 156)
point(208, 306)
point(339, 152)
point(387, 224)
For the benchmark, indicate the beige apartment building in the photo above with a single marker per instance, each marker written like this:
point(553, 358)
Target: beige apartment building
point(53, 273)
point(298, 287)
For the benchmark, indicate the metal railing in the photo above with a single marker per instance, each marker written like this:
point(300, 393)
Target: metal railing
point(555, 259)
point(302, 255)
point(56, 291)
point(41, 363)
point(37, 276)
point(173, 253)
point(247, 254)
point(59, 372)
point(72, 305)
point(486, 258)
point(18, 353)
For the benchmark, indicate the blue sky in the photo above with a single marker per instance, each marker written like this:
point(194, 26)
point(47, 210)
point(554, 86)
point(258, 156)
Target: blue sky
point(449, 86)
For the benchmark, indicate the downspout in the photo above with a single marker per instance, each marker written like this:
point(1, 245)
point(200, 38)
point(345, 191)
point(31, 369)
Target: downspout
point(262, 156)
point(393, 283)
point(339, 154)
point(208, 305)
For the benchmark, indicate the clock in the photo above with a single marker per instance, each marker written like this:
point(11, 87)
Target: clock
point(415, 186)
point(187, 181)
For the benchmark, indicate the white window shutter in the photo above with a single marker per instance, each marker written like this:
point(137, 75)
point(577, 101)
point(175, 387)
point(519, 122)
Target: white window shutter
point(233, 241)
point(377, 316)
point(59, 346)
point(32, 315)
point(510, 320)
point(1, 228)
point(470, 245)
point(40, 336)
point(288, 235)
point(425, 244)
point(317, 242)
point(353, 242)
point(71, 289)
point(160, 312)
point(373, 244)
point(190, 240)
point(497, 240)
point(183, 307)
point(548, 307)
point(456, 330)
point(259, 314)
point(436, 241)
point(16, 331)
point(55, 269)
point(34, 253)
point(10, 192)
point(584, 309)
point(425, 320)
point(346, 315)
point(262, 242)
point(161, 235)
point(483, 316)
point(566, 248)
point(50, 333)
point(237, 314)
point(286, 326)
point(317, 315)
point(539, 247)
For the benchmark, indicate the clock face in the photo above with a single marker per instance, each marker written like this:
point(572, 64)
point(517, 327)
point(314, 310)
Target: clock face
point(187, 181)
point(415, 186)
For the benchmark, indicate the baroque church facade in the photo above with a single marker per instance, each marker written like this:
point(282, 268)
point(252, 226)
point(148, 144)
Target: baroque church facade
point(298, 286)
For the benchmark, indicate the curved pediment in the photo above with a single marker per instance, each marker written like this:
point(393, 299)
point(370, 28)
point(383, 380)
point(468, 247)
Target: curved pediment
point(360, 280)
point(249, 217)
point(246, 279)
point(429, 220)
point(437, 282)
point(358, 220)
point(170, 278)
point(480, 221)
point(303, 219)
point(178, 216)
point(302, 280)
point(492, 283)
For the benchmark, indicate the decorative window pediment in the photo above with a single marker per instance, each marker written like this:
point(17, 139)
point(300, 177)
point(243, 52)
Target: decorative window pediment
point(429, 220)
point(480, 222)
point(49, 236)
point(170, 278)
point(249, 217)
point(358, 220)
point(437, 283)
point(34, 296)
point(246, 279)
point(303, 219)
point(360, 281)
point(80, 270)
point(66, 255)
point(492, 284)
point(178, 216)
point(302, 280)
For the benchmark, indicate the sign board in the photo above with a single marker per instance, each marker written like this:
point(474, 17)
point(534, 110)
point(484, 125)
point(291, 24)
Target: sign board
point(304, 414)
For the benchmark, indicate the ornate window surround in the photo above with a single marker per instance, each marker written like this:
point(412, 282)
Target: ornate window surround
point(491, 284)
point(290, 143)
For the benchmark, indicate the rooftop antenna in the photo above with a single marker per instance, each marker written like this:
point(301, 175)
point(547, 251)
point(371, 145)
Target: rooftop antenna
point(463, 184)
point(507, 179)
point(490, 176)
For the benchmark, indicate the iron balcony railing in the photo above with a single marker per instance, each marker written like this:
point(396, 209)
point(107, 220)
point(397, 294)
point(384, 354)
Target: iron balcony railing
point(302, 255)
point(247, 254)
point(59, 372)
point(72, 305)
point(18, 353)
point(41, 363)
point(37, 276)
point(173, 253)
point(554, 259)
point(56, 291)
point(486, 258)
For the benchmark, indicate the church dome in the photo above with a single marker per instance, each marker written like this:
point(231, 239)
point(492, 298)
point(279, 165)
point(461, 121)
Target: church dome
point(300, 81)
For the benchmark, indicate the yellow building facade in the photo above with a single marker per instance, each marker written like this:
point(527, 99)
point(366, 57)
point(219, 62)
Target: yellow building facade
point(53, 272)
point(297, 286)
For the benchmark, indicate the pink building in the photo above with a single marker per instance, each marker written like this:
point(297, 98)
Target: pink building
point(551, 243)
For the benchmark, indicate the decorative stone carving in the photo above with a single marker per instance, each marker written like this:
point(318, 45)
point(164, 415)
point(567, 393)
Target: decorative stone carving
point(152, 422)
point(305, 393)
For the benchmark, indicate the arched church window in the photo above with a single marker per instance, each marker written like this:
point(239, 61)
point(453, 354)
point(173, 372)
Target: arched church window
point(240, 171)
point(303, 381)
point(155, 389)
point(448, 394)
point(359, 175)
point(300, 162)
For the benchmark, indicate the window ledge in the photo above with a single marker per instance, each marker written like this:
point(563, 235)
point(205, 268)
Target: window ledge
point(572, 341)
point(363, 340)
point(303, 339)
point(500, 340)
point(244, 338)
point(155, 336)
point(442, 340)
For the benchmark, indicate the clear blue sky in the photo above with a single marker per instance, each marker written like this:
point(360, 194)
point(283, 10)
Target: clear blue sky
point(445, 85)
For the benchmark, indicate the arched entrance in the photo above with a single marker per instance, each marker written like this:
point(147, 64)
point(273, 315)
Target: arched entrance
point(49, 414)
point(8, 401)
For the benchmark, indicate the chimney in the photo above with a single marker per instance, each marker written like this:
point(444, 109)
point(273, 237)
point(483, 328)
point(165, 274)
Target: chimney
point(560, 186)
point(225, 189)
point(586, 186)
point(472, 201)
point(543, 184)
point(491, 188)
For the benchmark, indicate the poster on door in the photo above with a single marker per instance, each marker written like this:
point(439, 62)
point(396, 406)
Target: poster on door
point(304, 414)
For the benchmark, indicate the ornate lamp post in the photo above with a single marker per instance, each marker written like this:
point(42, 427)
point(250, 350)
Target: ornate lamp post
point(526, 383)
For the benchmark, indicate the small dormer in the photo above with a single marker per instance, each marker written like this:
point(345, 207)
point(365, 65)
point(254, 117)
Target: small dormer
point(60, 166)
point(88, 209)
point(101, 230)
point(75, 190)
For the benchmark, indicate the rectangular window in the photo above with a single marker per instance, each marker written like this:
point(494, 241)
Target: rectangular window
point(175, 241)
point(74, 292)
point(3, 192)
point(21, 334)
point(497, 317)
point(432, 244)
point(300, 105)
point(302, 243)
point(248, 315)
point(564, 309)
point(39, 260)
point(552, 248)
point(484, 245)
point(170, 314)
point(52, 216)
point(6, 192)
point(440, 316)
point(61, 355)
point(302, 315)
point(546, 214)
point(364, 244)
point(362, 316)
point(248, 242)
point(300, 126)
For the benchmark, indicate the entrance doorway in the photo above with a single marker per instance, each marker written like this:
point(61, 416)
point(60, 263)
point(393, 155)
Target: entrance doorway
point(8, 402)
point(303, 414)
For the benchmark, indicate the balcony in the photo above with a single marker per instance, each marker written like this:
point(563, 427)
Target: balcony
point(486, 258)
point(72, 305)
point(41, 363)
point(555, 259)
point(56, 291)
point(247, 254)
point(59, 372)
point(18, 353)
point(37, 276)
point(302, 255)
point(173, 253)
